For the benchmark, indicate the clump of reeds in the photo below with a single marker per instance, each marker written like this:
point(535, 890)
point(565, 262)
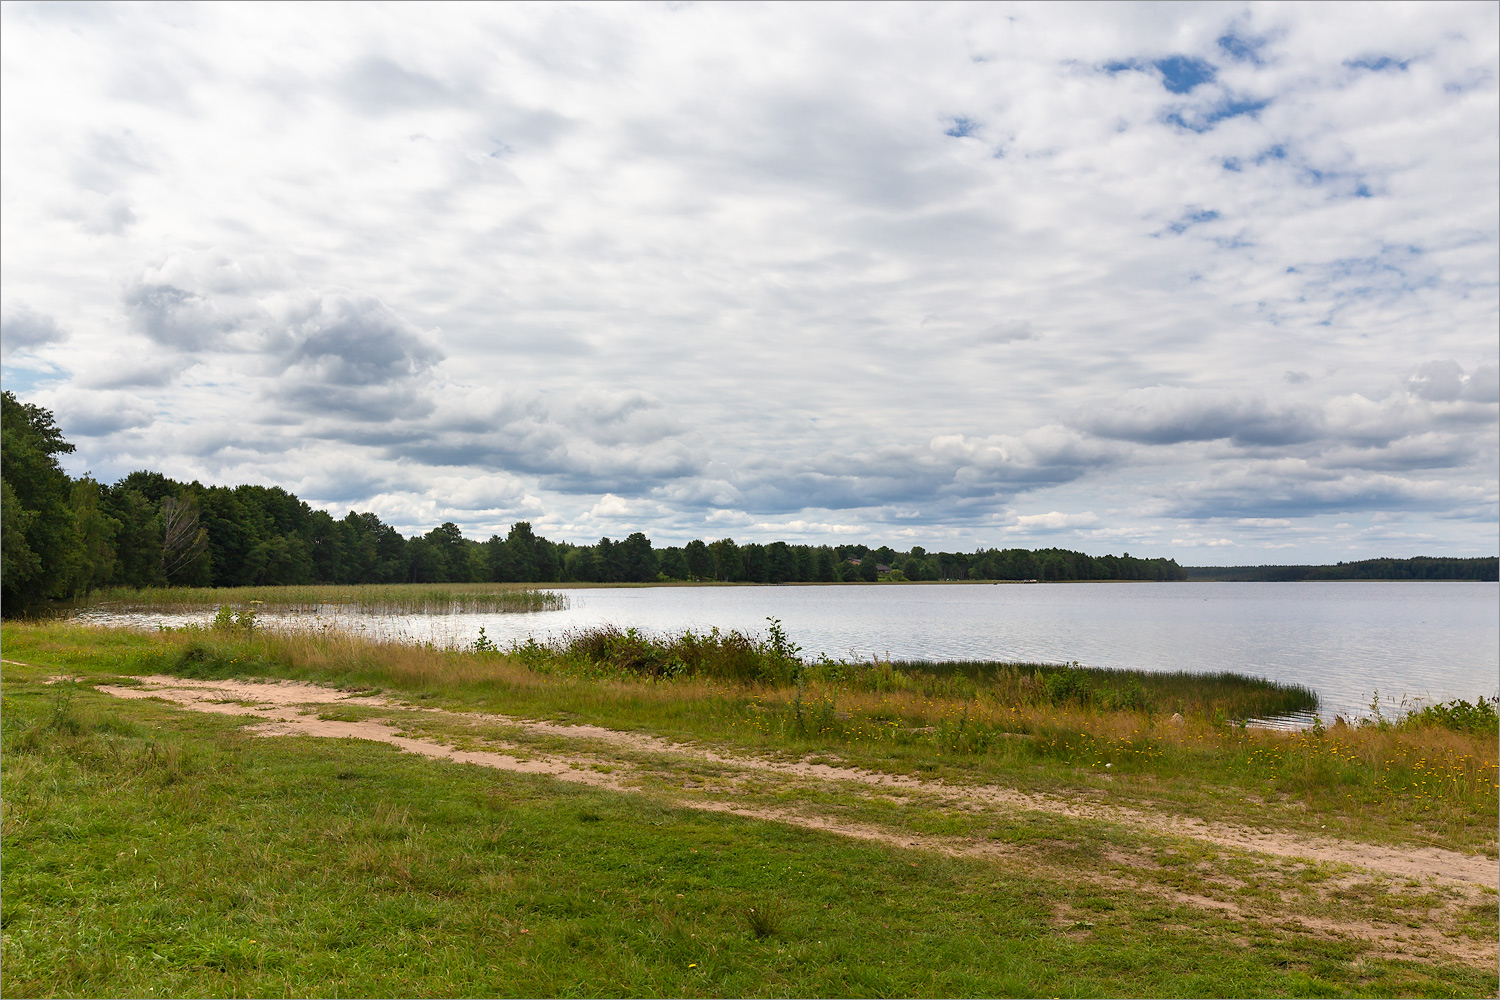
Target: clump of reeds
point(386, 598)
point(1220, 695)
point(731, 655)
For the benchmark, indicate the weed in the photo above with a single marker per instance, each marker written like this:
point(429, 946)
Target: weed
point(763, 918)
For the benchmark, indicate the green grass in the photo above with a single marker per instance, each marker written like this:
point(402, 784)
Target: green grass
point(393, 598)
point(1414, 782)
point(155, 852)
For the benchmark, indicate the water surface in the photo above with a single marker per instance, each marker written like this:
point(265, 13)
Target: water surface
point(1344, 639)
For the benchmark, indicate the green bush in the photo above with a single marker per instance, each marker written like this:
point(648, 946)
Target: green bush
point(1479, 717)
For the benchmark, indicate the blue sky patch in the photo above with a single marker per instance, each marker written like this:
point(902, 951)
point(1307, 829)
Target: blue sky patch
point(1193, 218)
point(1378, 64)
point(1242, 49)
point(962, 127)
point(1180, 74)
point(23, 380)
point(1229, 107)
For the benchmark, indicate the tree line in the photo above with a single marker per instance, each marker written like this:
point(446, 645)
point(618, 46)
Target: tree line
point(64, 537)
point(1483, 568)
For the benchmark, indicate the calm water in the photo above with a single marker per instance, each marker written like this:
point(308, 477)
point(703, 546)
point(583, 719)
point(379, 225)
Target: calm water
point(1433, 641)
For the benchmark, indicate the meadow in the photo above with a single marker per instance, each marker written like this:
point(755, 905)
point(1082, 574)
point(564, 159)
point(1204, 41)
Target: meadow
point(719, 849)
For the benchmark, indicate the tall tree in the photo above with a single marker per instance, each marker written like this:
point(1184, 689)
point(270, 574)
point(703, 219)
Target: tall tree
point(728, 565)
point(637, 560)
point(700, 562)
point(36, 508)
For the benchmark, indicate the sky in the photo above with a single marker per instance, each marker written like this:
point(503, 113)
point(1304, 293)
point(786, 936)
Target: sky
point(1217, 282)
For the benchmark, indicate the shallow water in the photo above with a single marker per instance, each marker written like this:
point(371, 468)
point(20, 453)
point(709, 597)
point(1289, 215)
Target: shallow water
point(1346, 640)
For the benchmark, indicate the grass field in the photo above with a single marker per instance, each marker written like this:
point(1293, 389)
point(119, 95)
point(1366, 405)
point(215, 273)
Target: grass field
point(155, 851)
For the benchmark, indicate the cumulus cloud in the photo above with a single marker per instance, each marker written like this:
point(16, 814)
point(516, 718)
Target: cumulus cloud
point(23, 328)
point(353, 357)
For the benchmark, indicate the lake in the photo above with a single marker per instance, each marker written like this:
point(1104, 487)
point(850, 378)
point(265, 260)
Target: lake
point(1346, 640)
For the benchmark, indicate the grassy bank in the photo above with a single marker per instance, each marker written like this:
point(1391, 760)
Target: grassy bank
point(1424, 780)
point(376, 598)
point(155, 852)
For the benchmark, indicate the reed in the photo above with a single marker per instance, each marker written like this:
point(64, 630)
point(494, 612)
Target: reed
point(384, 598)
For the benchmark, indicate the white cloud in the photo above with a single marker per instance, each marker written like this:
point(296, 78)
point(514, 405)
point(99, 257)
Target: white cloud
point(1053, 521)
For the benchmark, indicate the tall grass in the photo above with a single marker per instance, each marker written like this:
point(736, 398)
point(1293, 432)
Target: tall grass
point(382, 598)
point(776, 660)
point(731, 656)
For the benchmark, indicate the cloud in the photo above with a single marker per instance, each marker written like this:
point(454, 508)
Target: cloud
point(1171, 415)
point(353, 340)
point(23, 329)
point(1008, 332)
point(98, 414)
point(378, 84)
point(466, 262)
point(1053, 521)
point(1446, 381)
point(101, 214)
point(175, 317)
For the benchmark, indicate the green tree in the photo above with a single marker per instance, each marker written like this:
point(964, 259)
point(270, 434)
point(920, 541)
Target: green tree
point(672, 563)
point(757, 565)
point(450, 564)
point(727, 562)
point(94, 559)
point(637, 560)
point(548, 561)
point(138, 539)
point(37, 490)
point(522, 544)
point(781, 563)
point(500, 562)
point(700, 562)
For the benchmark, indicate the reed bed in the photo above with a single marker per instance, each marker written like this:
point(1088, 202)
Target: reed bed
point(776, 660)
point(385, 598)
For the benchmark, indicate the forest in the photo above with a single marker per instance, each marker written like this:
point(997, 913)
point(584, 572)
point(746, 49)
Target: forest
point(1485, 568)
point(64, 537)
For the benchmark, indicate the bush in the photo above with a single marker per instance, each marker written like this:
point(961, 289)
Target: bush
point(1460, 716)
point(728, 655)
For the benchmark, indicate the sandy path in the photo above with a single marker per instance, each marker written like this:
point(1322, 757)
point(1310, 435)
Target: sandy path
point(281, 705)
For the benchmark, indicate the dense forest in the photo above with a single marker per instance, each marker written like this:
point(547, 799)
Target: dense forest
point(64, 537)
point(1418, 568)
